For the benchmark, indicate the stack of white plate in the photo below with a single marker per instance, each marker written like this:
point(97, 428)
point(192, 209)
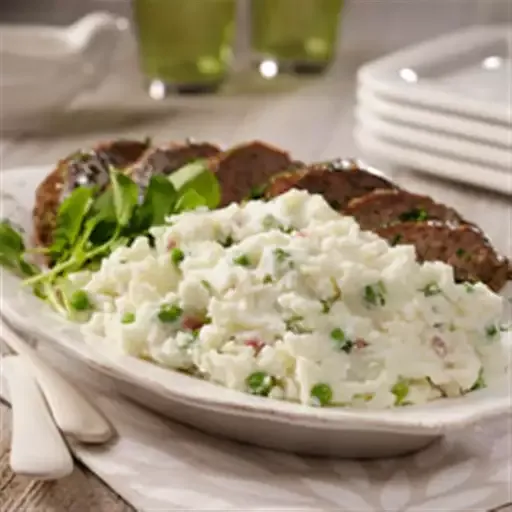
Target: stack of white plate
point(443, 107)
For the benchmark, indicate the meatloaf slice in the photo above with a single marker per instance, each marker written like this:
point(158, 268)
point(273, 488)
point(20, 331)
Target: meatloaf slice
point(337, 182)
point(384, 206)
point(169, 158)
point(83, 168)
point(246, 167)
point(464, 247)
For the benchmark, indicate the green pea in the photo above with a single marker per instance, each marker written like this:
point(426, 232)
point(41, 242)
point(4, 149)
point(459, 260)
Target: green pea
point(321, 394)
point(400, 390)
point(80, 301)
point(260, 383)
point(177, 256)
point(169, 313)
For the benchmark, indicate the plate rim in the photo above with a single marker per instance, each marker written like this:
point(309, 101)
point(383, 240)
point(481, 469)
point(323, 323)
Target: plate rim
point(432, 419)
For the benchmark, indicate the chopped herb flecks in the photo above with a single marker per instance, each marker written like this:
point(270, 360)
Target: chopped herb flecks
point(480, 381)
point(470, 287)
point(396, 239)
point(281, 255)
point(491, 331)
point(268, 279)
point(242, 260)
point(375, 295)
point(431, 289)
point(341, 342)
point(416, 215)
point(258, 192)
point(294, 324)
point(128, 318)
point(228, 242)
point(321, 394)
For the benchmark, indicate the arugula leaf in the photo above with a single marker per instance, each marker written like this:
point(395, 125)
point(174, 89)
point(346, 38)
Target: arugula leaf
point(190, 200)
point(159, 202)
point(12, 250)
point(125, 195)
point(198, 177)
point(103, 206)
point(11, 243)
point(70, 217)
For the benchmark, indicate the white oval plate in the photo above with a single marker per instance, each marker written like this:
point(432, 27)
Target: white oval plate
point(412, 156)
point(261, 421)
point(449, 145)
point(445, 122)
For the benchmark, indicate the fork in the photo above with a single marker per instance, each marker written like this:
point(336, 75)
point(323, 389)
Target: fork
point(73, 413)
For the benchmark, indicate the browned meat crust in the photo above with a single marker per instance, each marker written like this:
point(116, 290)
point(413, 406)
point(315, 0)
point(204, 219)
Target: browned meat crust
point(78, 169)
point(243, 168)
point(382, 207)
point(338, 185)
point(464, 247)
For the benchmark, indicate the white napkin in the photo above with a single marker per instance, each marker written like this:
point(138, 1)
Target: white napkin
point(157, 464)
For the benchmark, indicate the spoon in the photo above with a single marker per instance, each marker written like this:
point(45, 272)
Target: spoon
point(72, 412)
point(37, 447)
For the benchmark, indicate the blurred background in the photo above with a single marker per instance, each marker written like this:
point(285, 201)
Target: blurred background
point(367, 24)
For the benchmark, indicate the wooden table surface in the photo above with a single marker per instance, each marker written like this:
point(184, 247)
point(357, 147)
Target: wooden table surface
point(312, 118)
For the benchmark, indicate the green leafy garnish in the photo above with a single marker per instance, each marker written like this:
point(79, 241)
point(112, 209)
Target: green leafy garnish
point(321, 394)
point(12, 251)
point(190, 200)
point(91, 224)
point(197, 177)
point(125, 195)
point(375, 295)
point(260, 383)
point(69, 220)
point(169, 313)
point(341, 341)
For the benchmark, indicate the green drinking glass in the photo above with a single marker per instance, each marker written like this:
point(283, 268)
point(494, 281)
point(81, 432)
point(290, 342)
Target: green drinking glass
point(297, 35)
point(184, 45)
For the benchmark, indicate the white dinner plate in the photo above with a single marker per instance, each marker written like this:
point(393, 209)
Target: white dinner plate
point(468, 72)
point(265, 422)
point(443, 122)
point(444, 144)
point(414, 157)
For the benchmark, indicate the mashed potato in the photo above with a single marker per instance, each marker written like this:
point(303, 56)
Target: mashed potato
point(290, 300)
